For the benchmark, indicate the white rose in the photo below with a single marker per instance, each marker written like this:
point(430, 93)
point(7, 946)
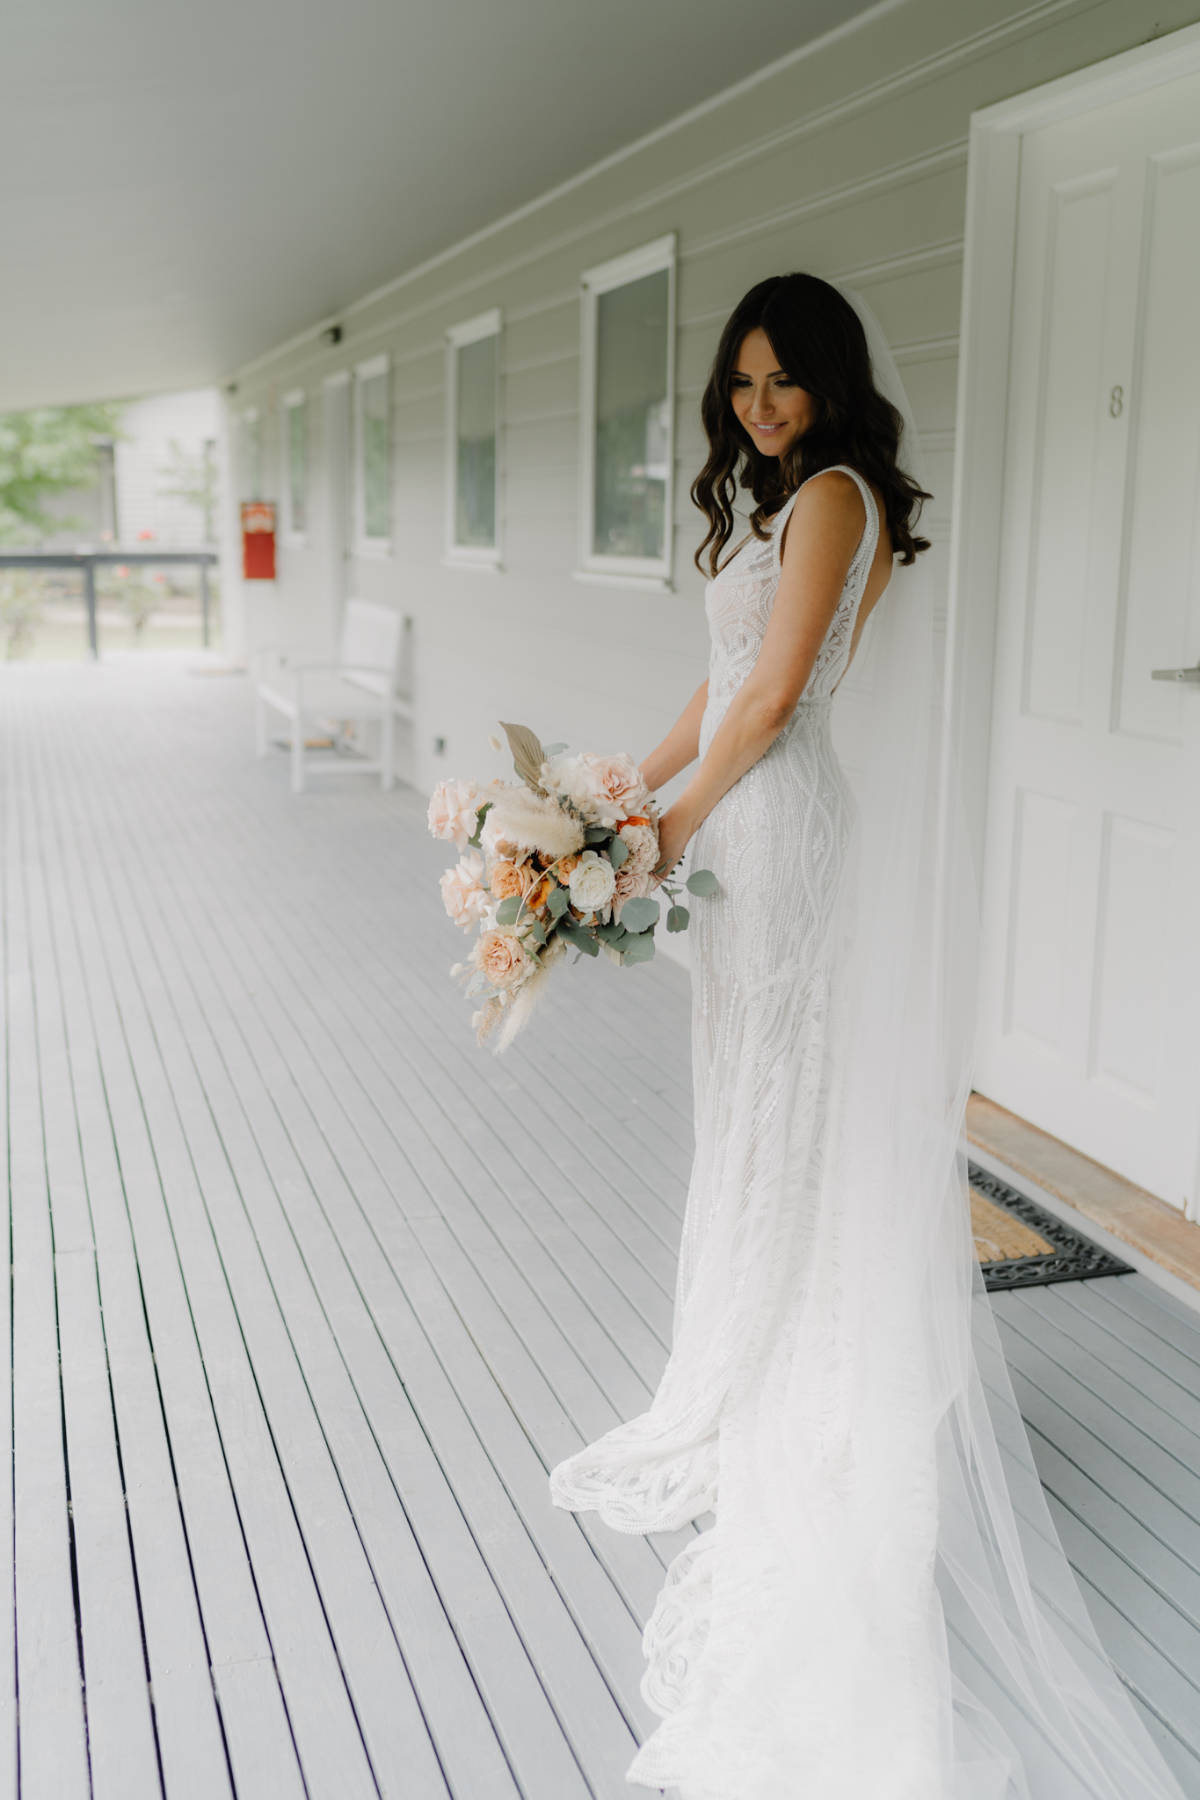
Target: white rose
point(591, 882)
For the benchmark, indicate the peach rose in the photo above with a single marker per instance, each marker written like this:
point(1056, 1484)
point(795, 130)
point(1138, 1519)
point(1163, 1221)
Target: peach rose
point(628, 882)
point(463, 894)
point(510, 878)
point(453, 806)
point(620, 780)
point(503, 958)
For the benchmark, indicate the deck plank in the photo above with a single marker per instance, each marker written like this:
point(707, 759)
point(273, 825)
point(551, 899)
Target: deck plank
point(49, 1675)
point(9, 851)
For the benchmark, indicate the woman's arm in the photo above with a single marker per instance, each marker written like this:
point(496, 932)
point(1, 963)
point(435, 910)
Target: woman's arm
point(820, 538)
point(680, 745)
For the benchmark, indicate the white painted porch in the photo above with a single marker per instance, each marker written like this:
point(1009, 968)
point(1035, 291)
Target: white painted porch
point(309, 1291)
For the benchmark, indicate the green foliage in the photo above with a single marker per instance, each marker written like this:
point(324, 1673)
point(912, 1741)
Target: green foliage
point(677, 918)
point(21, 596)
point(701, 881)
point(639, 913)
point(639, 949)
point(191, 475)
point(46, 451)
point(140, 601)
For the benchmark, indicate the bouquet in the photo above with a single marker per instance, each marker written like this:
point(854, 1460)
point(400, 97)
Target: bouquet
point(560, 859)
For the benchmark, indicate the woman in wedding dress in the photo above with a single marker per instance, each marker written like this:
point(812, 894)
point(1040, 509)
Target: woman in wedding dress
point(881, 1609)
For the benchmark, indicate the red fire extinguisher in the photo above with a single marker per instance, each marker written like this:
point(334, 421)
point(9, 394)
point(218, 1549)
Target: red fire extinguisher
point(258, 540)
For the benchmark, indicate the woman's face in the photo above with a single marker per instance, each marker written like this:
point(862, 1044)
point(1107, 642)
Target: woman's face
point(772, 409)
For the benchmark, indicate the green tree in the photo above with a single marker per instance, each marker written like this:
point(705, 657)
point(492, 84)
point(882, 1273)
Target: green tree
point(21, 595)
point(192, 475)
point(45, 451)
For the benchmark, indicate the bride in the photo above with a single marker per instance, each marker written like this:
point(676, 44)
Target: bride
point(880, 1608)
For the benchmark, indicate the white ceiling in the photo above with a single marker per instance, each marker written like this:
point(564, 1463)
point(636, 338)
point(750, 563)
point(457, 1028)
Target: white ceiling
point(186, 183)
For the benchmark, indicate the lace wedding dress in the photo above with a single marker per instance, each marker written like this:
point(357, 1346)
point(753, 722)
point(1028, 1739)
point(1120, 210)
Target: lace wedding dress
point(881, 1610)
point(760, 1001)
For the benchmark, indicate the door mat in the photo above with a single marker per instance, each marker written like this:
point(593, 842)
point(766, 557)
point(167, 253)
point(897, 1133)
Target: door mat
point(1020, 1244)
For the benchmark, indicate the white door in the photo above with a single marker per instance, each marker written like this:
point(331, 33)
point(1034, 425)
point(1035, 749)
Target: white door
point(336, 484)
point(1090, 1005)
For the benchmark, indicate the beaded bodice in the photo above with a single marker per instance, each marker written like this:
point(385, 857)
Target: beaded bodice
point(739, 599)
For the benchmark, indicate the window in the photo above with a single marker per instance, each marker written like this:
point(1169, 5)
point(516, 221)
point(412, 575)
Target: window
point(252, 456)
point(628, 416)
point(295, 463)
point(372, 456)
point(472, 409)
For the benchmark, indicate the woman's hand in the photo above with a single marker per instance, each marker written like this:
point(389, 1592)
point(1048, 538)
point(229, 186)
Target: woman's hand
point(674, 830)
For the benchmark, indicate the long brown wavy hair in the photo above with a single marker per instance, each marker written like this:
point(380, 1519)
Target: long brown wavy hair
point(819, 342)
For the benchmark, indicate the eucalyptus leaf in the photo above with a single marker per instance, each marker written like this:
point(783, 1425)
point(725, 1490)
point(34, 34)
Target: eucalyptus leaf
point(618, 851)
point(508, 909)
point(557, 902)
point(639, 949)
point(552, 749)
point(527, 754)
point(702, 881)
point(677, 918)
point(639, 913)
point(596, 834)
point(480, 816)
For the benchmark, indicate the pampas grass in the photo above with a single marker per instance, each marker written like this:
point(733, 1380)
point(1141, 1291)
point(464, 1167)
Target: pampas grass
point(534, 822)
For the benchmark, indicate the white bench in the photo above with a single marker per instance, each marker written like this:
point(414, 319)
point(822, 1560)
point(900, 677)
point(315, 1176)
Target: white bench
point(360, 687)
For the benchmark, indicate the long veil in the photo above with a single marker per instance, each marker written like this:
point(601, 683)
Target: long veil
point(886, 1461)
point(882, 1609)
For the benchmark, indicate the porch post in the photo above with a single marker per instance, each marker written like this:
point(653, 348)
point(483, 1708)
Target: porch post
point(89, 594)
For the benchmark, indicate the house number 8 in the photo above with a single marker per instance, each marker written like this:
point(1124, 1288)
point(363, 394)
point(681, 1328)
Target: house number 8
point(1116, 402)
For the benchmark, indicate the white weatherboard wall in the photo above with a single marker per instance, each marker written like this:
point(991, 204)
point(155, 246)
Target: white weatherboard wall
point(849, 160)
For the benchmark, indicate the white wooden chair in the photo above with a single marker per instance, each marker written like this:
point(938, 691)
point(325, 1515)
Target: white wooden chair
point(360, 687)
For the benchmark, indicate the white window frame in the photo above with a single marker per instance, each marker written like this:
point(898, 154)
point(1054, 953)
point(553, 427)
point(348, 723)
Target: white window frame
point(291, 538)
point(624, 571)
point(471, 331)
point(363, 372)
point(251, 416)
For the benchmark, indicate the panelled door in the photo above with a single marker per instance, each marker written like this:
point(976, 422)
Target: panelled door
point(1090, 1004)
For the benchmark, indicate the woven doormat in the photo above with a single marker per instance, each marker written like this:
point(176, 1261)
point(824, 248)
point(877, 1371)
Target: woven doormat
point(1020, 1244)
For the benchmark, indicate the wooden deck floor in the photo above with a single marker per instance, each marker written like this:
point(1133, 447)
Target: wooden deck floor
point(308, 1293)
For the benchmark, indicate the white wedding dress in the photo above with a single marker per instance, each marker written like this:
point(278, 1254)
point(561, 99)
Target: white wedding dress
point(801, 1647)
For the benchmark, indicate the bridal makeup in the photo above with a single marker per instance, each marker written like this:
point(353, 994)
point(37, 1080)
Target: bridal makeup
point(772, 409)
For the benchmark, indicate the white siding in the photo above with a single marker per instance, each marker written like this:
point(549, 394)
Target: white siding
point(849, 161)
point(143, 461)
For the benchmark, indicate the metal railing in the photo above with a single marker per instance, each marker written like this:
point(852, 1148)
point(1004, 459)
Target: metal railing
point(86, 560)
